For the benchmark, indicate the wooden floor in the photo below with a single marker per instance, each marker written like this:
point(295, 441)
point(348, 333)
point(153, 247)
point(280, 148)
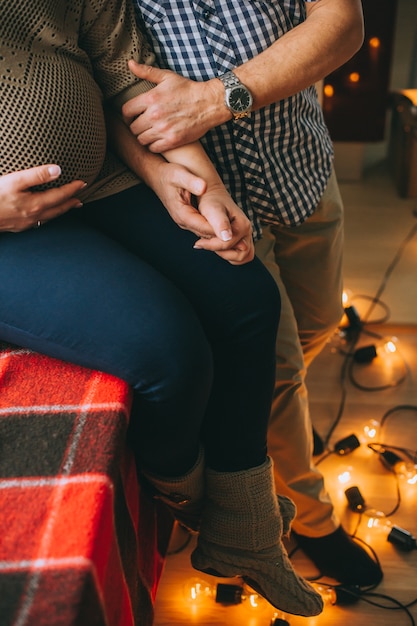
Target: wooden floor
point(377, 485)
point(378, 224)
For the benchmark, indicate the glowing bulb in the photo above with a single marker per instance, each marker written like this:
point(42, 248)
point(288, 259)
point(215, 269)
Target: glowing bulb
point(407, 471)
point(374, 42)
point(370, 431)
point(346, 298)
point(393, 462)
point(387, 346)
point(394, 534)
point(345, 475)
point(328, 594)
point(280, 619)
point(328, 91)
point(338, 594)
point(377, 520)
point(354, 77)
point(198, 590)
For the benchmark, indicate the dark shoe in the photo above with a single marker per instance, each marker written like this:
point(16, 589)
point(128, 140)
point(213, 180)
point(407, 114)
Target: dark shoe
point(338, 556)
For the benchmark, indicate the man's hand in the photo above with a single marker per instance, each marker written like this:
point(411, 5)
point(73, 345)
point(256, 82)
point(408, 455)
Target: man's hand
point(21, 208)
point(208, 212)
point(175, 112)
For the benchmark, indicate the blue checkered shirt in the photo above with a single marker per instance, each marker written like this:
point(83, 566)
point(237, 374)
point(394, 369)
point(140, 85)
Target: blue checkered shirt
point(276, 162)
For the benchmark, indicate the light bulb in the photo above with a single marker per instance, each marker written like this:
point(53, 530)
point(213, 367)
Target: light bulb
point(394, 534)
point(377, 519)
point(403, 469)
point(328, 594)
point(406, 471)
point(351, 319)
point(387, 346)
point(370, 431)
point(198, 590)
point(280, 619)
point(344, 475)
point(346, 298)
point(338, 594)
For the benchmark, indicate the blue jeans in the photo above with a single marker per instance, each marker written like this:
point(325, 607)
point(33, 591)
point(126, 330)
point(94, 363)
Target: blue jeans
point(117, 286)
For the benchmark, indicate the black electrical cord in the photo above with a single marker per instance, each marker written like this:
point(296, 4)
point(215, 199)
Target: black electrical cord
point(399, 407)
point(366, 595)
point(389, 271)
point(383, 305)
point(375, 300)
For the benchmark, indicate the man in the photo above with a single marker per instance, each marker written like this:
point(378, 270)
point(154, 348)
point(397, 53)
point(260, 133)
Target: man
point(262, 126)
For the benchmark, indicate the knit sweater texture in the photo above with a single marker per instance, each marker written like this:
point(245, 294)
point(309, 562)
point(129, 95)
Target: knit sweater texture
point(60, 62)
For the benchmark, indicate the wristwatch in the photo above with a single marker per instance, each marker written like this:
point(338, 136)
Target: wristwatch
point(237, 98)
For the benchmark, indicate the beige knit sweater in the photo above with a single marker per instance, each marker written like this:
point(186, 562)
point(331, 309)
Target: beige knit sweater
point(59, 61)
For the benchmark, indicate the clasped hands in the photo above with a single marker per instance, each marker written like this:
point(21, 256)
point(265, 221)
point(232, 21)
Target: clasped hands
point(218, 222)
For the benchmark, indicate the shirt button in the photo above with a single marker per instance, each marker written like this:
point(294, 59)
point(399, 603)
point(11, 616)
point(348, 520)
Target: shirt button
point(207, 14)
point(252, 180)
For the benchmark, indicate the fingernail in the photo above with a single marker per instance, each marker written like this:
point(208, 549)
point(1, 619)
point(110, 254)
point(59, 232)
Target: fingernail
point(196, 246)
point(226, 235)
point(54, 170)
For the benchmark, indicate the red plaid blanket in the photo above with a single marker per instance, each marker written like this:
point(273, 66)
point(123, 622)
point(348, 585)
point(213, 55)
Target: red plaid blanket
point(80, 543)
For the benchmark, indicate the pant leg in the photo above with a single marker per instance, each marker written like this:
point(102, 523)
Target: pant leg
point(238, 308)
point(71, 292)
point(306, 263)
point(117, 286)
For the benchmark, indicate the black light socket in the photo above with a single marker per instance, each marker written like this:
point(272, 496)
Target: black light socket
point(229, 594)
point(353, 317)
point(355, 499)
point(402, 538)
point(346, 445)
point(389, 459)
point(365, 354)
point(347, 594)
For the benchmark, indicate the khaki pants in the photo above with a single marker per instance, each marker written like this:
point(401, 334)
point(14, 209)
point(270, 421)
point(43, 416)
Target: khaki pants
point(306, 262)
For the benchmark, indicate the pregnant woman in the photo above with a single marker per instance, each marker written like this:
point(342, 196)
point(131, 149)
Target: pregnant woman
point(146, 273)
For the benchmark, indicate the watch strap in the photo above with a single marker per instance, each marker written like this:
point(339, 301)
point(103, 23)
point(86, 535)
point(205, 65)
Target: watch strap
point(229, 79)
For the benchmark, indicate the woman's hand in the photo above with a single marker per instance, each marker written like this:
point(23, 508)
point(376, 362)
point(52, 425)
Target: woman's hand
point(216, 205)
point(22, 208)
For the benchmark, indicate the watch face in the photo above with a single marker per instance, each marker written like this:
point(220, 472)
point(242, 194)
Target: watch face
point(240, 99)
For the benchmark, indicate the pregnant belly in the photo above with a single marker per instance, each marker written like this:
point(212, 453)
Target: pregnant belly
point(56, 117)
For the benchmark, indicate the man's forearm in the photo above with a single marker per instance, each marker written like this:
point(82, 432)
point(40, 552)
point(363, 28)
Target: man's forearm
point(330, 36)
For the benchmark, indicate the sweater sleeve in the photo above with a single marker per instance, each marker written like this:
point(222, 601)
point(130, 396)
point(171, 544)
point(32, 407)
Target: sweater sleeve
point(110, 37)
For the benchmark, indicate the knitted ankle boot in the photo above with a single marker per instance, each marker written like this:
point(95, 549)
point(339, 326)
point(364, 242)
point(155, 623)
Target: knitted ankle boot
point(183, 495)
point(240, 535)
point(288, 512)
